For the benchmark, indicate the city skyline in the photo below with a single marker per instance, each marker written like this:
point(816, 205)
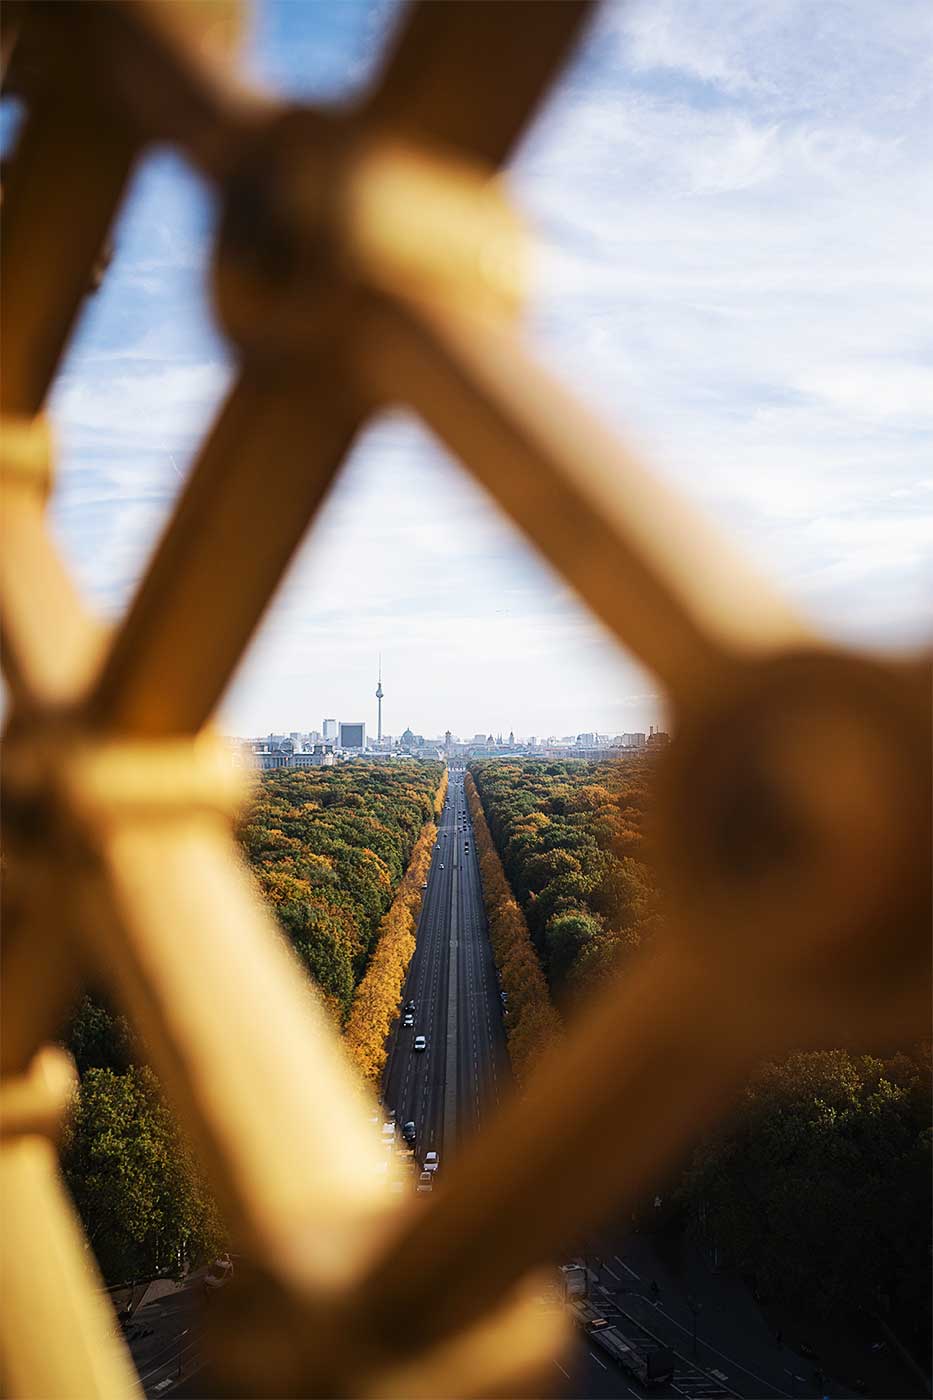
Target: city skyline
point(377, 728)
point(730, 269)
point(315, 734)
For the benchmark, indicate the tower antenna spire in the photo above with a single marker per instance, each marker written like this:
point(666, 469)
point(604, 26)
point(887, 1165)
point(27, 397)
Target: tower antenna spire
point(379, 695)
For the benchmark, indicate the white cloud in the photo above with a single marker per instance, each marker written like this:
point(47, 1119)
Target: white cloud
point(737, 209)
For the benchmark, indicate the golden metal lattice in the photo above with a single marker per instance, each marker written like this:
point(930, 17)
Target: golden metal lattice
point(365, 258)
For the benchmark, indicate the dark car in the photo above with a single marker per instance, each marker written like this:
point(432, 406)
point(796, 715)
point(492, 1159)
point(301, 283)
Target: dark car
point(408, 1133)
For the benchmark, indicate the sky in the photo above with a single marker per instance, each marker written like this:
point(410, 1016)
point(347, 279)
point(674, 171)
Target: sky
point(733, 212)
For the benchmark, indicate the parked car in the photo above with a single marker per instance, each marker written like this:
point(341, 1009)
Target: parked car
point(421, 1042)
point(410, 1006)
point(408, 1132)
point(431, 1162)
point(424, 885)
point(425, 1183)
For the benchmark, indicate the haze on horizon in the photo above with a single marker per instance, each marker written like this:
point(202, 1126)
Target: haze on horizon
point(733, 205)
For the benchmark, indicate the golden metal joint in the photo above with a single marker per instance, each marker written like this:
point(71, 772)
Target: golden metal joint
point(368, 256)
point(26, 453)
point(318, 212)
point(35, 1102)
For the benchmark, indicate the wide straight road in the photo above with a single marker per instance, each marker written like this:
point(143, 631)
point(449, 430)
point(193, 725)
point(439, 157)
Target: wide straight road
point(450, 1089)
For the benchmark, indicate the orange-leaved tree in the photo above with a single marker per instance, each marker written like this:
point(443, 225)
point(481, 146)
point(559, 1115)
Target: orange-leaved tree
point(440, 797)
point(377, 998)
point(532, 1021)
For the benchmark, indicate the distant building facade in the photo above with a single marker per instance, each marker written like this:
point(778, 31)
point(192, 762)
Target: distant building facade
point(352, 736)
point(279, 752)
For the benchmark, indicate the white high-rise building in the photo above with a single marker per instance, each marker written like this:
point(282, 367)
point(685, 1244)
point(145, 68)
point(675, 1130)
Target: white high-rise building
point(330, 729)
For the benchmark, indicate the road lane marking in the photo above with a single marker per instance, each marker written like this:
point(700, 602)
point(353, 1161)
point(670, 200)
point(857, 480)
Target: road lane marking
point(626, 1267)
point(561, 1369)
point(598, 1362)
point(617, 1277)
point(736, 1365)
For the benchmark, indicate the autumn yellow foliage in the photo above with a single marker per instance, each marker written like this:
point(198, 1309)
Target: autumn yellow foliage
point(377, 998)
point(440, 796)
point(532, 1022)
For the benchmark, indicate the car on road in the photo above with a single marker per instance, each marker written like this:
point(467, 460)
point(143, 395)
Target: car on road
point(409, 1018)
point(410, 1005)
point(442, 865)
point(408, 1132)
point(431, 1162)
point(425, 885)
point(421, 1043)
point(425, 1183)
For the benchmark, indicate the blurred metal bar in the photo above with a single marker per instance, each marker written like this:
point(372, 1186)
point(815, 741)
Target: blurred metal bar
point(51, 646)
point(656, 1056)
point(58, 1332)
point(663, 580)
point(470, 75)
point(133, 837)
point(272, 455)
point(39, 960)
point(168, 66)
point(238, 1038)
point(51, 187)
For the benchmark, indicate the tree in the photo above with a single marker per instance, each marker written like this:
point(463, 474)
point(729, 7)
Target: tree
point(566, 834)
point(540, 870)
point(99, 1038)
point(379, 994)
point(820, 1186)
point(566, 935)
point(134, 1180)
point(329, 848)
point(533, 1023)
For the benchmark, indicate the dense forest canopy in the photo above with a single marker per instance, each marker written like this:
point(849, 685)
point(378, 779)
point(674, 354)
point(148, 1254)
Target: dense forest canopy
point(329, 848)
point(570, 838)
point(819, 1184)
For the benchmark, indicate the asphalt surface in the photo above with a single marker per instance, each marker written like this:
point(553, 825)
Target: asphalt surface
point(450, 1089)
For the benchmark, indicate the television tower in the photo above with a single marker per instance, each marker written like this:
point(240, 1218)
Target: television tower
point(379, 694)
